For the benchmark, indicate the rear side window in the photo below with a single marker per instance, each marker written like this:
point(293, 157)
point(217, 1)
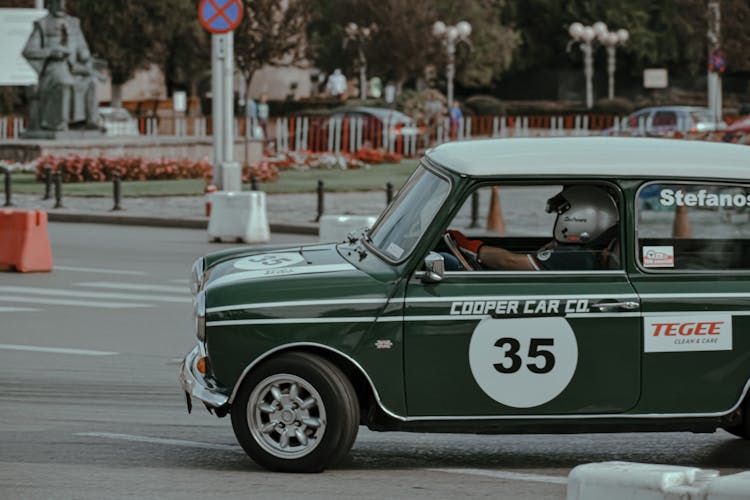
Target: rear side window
point(664, 119)
point(693, 226)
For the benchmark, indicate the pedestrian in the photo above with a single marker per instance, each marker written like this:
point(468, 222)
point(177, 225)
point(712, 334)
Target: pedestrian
point(456, 117)
point(337, 84)
point(251, 115)
point(263, 114)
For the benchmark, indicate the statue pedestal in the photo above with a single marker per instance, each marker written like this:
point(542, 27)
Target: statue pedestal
point(248, 151)
point(65, 135)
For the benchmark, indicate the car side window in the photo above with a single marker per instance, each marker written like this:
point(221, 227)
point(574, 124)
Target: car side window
point(664, 119)
point(693, 226)
point(551, 227)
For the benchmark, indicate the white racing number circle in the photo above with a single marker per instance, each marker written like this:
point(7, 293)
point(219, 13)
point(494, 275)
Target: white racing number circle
point(523, 362)
point(269, 261)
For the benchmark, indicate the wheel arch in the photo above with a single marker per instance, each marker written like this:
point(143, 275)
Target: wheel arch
point(367, 393)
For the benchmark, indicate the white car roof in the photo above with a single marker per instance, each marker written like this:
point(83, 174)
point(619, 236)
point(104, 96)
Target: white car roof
point(600, 157)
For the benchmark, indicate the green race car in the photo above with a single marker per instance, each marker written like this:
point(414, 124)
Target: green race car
point(512, 286)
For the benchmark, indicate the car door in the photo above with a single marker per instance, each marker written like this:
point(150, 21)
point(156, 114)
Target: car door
point(517, 343)
point(692, 272)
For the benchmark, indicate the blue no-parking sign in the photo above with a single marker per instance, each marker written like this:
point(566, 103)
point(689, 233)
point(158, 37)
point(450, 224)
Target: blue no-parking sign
point(220, 16)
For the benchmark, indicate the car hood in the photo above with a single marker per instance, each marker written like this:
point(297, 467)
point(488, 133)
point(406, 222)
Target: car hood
point(275, 263)
point(246, 285)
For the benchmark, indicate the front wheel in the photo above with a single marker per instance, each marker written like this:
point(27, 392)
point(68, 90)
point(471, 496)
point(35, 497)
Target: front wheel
point(296, 413)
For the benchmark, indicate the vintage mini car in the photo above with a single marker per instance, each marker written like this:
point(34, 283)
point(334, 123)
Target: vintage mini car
point(615, 315)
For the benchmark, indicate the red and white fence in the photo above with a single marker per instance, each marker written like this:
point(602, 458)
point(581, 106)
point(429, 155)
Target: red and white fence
point(351, 134)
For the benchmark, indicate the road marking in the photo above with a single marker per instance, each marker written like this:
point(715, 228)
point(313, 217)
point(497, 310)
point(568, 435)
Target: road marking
point(66, 302)
point(17, 309)
point(55, 350)
point(511, 476)
point(97, 270)
point(93, 295)
point(169, 442)
point(135, 286)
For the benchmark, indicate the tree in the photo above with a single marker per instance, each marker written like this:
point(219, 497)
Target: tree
point(404, 45)
point(124, 33)
point(185, 50)
point(271, 33)
point(492, 44)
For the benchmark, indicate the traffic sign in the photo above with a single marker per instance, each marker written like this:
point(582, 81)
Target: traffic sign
point(220, 16)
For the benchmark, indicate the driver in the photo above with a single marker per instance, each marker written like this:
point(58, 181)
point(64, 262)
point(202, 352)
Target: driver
point(585, 226)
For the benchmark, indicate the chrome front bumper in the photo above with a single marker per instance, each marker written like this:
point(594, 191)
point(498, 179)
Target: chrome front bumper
point(194, 383)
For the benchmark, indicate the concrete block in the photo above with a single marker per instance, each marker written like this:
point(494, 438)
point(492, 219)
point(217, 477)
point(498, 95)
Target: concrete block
point(623, 480)
point(239, 216)
point(336, 227)
point(734, 487)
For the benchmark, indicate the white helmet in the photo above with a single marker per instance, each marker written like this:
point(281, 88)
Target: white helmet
point(584, 213)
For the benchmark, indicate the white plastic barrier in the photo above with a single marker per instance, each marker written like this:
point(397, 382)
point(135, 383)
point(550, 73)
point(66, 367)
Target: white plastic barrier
point(734, 487)
point(336, 227)
point(627, 481)
point(239, 216)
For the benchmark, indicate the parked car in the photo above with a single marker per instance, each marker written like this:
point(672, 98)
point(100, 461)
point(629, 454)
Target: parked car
point(665, 120)
point(396, 121)
point(739, 125)
point(622, 316)
point(118, 121)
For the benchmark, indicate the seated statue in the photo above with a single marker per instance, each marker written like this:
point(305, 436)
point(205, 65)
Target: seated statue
point(58, 52)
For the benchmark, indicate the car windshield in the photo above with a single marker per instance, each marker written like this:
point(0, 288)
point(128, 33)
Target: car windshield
point(401, 226)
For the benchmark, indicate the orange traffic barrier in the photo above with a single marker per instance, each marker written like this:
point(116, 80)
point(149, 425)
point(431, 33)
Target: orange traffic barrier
point(24, 241)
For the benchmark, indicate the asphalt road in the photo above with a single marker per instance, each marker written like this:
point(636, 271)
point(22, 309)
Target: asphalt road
point(90, 406)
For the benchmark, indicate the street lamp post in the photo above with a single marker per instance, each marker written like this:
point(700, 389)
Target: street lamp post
point(450, 35)
point(585, 36)
point(610, 39)
point(360, 35)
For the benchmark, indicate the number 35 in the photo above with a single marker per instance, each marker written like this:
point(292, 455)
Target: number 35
point(548, 361)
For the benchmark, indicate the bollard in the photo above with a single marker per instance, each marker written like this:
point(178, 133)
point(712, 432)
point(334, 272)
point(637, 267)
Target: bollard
point(388, 193)
point(321, 200)
point(116, 191)
point(253, 182)
point(474, 209)
point(47, 183)
point(58, 190)
point(8, 202)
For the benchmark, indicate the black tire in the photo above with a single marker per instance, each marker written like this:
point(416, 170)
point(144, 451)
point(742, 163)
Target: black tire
point(336, 411)
point(742, 429)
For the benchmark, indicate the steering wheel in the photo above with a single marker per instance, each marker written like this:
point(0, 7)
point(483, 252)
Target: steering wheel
point(458, 253)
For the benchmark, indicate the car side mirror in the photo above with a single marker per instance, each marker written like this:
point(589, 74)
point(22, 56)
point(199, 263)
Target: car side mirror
point(434, 266)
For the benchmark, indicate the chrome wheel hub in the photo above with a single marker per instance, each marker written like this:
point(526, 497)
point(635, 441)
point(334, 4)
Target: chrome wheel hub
point(286, 416)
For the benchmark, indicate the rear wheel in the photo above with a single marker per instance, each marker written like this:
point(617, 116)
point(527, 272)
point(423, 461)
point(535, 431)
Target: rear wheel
point(742, 429)
point(296, 413)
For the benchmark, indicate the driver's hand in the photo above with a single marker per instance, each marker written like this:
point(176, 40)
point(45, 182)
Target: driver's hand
point(464, 242)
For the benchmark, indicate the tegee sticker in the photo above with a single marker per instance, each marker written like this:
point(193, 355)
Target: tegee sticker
point(269, 261)
point(699, 332)
point(523, 362)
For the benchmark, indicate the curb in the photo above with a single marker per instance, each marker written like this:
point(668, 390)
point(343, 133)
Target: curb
point(185, 223)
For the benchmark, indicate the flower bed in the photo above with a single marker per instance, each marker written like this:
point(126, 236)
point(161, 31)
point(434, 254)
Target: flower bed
point(76, 168)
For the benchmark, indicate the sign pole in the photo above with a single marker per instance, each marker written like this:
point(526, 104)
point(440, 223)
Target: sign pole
point(228, 97)
point(217, 108)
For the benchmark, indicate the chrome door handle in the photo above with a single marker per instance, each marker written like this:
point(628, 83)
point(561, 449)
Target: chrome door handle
point(606, 306)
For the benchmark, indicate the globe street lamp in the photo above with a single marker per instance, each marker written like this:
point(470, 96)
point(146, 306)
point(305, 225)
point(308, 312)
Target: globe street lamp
point(585, 36)
point(450, 35)
point(360, 35)
point(610, 39)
